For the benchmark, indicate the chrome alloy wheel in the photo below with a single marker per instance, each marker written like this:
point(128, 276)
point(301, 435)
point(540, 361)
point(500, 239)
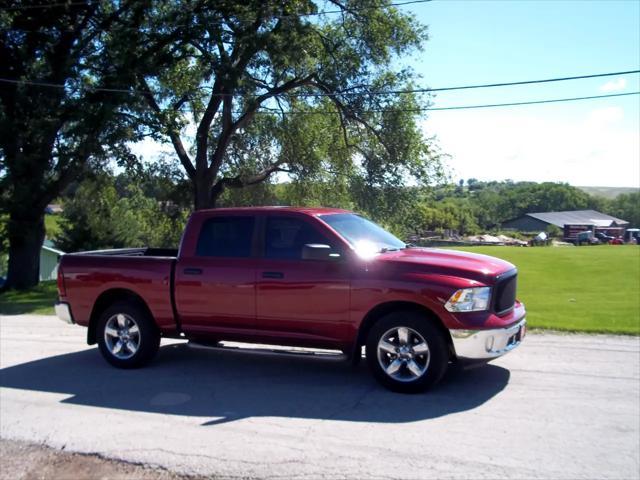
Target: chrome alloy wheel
point(403, 354)
point(122, 336)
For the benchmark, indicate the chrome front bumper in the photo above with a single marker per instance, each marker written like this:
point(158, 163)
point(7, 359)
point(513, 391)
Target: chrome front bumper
point(63, 312)
point(487, 344)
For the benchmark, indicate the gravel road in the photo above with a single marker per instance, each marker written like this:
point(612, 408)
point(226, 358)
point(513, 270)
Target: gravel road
point(560, 406)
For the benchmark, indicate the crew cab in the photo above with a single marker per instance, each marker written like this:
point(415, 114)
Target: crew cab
point(305, 277)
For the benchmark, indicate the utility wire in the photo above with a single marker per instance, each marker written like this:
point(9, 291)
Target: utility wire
point(351, 93)
point(526, 82)
point(324, 12)
point(535, 102)
point(489, 105)
point(457, 107)
point(48, 5)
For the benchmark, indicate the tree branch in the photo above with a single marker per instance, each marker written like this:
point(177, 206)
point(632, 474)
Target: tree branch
point(229, 129)
point(202, 134)
point(350, 113)
point(239, 181)
point(183, 156)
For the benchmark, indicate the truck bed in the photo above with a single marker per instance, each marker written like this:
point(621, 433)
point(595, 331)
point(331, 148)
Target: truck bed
point(133, 252)
point(146, 272)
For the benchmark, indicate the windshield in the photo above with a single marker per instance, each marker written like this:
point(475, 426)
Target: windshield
point(366, 237)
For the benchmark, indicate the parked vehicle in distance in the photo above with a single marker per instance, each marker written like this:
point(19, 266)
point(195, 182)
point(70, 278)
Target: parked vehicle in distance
point(632, 236)
point(308, 277)
point(586, 238)
point(604, 238)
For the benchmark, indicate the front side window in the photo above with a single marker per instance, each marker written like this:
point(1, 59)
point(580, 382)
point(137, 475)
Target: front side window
point(226, 237)
point(362, 234)
point(285, 237)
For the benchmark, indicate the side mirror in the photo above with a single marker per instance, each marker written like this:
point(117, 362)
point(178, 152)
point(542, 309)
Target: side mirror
point(318, 251)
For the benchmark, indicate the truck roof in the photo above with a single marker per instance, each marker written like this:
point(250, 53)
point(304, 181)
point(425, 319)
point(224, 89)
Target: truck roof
point(306, 210)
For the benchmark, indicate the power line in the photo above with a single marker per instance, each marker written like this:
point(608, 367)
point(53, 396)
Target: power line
point(337, 94)
point(535, 102)
point(457, 107)
point(526, 82)
point(324, 12)
point(48, 5)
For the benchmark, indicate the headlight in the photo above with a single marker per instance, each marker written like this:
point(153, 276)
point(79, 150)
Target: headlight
point(469, 300)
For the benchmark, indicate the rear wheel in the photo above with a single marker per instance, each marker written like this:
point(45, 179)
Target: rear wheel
point(406, 352)
point(127, 336)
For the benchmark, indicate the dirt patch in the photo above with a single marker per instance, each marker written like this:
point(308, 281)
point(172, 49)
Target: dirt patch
point(19, 460)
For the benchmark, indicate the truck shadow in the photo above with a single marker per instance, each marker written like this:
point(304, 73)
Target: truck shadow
point(227, 386)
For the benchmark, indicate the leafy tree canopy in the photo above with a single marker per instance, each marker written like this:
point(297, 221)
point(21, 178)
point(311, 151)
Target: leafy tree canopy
point(54, 119)
point(254, 88)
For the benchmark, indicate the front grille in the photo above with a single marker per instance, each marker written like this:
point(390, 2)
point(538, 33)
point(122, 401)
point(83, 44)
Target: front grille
point(505, 292)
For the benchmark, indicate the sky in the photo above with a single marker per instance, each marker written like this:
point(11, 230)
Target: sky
point(586, 143)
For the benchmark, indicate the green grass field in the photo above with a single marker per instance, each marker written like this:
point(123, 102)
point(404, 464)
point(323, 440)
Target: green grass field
point(585, 289)
point(38, 300)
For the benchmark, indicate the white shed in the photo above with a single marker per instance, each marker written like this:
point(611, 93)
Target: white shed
point(49, 258)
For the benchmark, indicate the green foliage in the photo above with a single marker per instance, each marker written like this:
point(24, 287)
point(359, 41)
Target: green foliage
point(554, 231)
point(49, 136)
point(450, 214)
point(51, 225)
point(96, 216)
point(626, 206)
point(272, 89)
point(493, 203)
point(590, 289)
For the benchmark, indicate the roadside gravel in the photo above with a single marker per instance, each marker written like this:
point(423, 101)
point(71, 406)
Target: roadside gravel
point(25, 461)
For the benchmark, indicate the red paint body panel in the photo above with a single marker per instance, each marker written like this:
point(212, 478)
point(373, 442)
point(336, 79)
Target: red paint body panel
point(86, 277)
point(314, 303)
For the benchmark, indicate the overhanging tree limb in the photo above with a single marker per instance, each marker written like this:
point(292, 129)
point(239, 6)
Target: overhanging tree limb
point(183, 156)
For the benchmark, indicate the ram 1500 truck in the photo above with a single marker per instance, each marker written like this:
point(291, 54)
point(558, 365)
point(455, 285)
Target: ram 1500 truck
point(307, 277)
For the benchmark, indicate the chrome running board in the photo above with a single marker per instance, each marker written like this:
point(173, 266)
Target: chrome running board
point(333, 355)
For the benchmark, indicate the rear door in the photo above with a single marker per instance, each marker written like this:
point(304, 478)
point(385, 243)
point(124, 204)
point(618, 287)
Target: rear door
point(301, 301)
point(215, 284)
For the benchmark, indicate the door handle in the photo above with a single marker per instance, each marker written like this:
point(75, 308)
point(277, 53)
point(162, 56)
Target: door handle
point(272, 275)
point(192, 271)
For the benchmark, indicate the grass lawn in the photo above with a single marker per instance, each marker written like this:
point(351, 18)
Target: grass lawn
point(586, 289)
point(38, 300)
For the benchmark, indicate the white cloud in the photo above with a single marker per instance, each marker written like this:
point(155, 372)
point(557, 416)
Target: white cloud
point(599, 149)
point(614, 85)
point(606, 115)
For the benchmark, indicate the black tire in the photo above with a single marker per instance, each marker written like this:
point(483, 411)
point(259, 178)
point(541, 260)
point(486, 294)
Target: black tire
point(433, 363)
point(147, 338)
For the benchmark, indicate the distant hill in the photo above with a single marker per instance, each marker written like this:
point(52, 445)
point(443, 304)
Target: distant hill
point(608, 192)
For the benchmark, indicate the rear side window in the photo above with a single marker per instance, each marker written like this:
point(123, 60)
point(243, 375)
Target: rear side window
point(226, 237)
point(285, 237)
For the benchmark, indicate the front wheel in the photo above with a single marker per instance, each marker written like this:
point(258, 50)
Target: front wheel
point(406, 352)
point(127, 336)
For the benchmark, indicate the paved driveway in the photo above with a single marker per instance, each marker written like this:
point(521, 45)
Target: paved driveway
point(561, 406)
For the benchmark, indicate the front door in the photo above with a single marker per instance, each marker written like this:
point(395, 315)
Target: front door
point(302, 301)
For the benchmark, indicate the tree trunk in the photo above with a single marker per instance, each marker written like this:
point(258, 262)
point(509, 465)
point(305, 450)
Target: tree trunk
point(201, 193)
point(26, 237)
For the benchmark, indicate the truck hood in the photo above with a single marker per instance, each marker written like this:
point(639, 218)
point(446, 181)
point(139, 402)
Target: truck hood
point(473, 266)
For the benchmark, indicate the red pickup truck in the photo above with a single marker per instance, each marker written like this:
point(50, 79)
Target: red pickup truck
point(307, 277)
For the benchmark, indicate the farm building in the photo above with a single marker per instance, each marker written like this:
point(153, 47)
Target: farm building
point(537, 222)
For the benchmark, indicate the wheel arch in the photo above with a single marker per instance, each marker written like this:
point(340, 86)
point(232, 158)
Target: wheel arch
point(108, 298)
point(379, 311)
